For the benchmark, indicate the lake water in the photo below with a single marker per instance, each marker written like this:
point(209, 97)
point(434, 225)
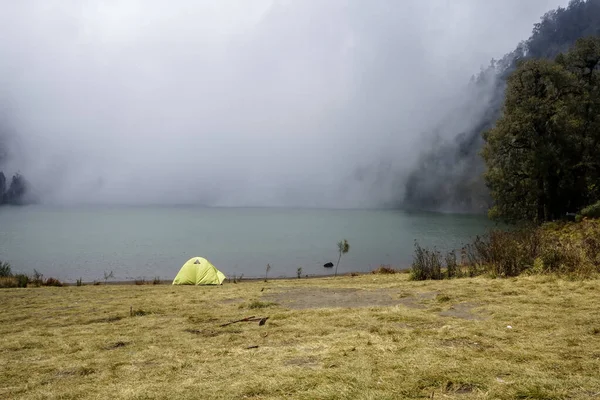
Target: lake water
point(146, 242)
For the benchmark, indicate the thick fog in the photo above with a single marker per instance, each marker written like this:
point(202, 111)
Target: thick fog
point(238, 103)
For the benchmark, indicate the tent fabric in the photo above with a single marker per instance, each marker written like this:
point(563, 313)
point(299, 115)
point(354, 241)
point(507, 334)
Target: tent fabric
point(199, 271)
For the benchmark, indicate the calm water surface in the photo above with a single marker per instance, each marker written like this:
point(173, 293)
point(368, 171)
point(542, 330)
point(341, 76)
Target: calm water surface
point(147, 242)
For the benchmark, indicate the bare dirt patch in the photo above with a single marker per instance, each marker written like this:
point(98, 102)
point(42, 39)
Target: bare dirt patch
point(233, 300)
point(463, 311)
point(313, 297)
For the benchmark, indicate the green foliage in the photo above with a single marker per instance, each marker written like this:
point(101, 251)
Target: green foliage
point(592, 211)
point(299, 272)
point(79, 282)
point(5, 269)
point(542, 155)
point(267, 269)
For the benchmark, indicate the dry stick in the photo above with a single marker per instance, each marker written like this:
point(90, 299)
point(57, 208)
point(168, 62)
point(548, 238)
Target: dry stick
point(239, 320)
point(261, 320)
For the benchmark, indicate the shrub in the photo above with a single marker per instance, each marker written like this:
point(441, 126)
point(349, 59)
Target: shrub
point(37, 278)
point(5, 270)
point(452, 270)
point(427, 264)
point(22, 280)
point(385, 270)
point(591, 212)
point(156, 281)
point(53, 282)
point(8, 282)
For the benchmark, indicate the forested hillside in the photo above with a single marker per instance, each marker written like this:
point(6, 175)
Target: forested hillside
point(542, 155)
point(450, 176)
point(13, 191)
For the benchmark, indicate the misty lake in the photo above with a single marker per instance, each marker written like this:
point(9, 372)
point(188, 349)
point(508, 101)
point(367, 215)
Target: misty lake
point(148, 242)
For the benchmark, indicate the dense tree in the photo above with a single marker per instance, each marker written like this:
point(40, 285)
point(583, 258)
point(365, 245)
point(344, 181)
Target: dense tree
point(542, 153)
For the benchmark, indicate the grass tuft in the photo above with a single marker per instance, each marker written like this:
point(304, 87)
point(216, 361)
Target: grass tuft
point(257, 304)
point(385, 270)
point(139, 313)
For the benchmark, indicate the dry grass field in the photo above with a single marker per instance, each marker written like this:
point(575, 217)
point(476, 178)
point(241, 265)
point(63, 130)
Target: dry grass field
point(362, 337)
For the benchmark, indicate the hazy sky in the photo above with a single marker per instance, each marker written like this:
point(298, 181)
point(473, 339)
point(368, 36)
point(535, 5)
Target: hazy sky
point(223, 102)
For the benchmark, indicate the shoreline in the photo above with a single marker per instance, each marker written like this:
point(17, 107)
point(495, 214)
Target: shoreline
point(150, 282)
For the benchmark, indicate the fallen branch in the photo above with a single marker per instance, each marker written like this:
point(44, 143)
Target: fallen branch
point(248, 319)
point(239, 320)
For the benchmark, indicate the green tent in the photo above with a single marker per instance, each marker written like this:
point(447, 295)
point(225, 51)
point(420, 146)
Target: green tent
point(198, 271)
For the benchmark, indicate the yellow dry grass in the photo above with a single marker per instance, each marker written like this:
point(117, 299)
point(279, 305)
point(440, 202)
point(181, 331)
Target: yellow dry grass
point(324, 339)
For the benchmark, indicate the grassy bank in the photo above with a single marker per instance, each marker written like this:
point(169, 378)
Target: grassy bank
point(570, 249)
point(363, 337)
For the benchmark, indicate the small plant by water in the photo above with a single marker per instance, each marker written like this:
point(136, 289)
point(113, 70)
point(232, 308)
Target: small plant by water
point(427, 264)
point(343, 248)
point(299, 272)
point(108, 276)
